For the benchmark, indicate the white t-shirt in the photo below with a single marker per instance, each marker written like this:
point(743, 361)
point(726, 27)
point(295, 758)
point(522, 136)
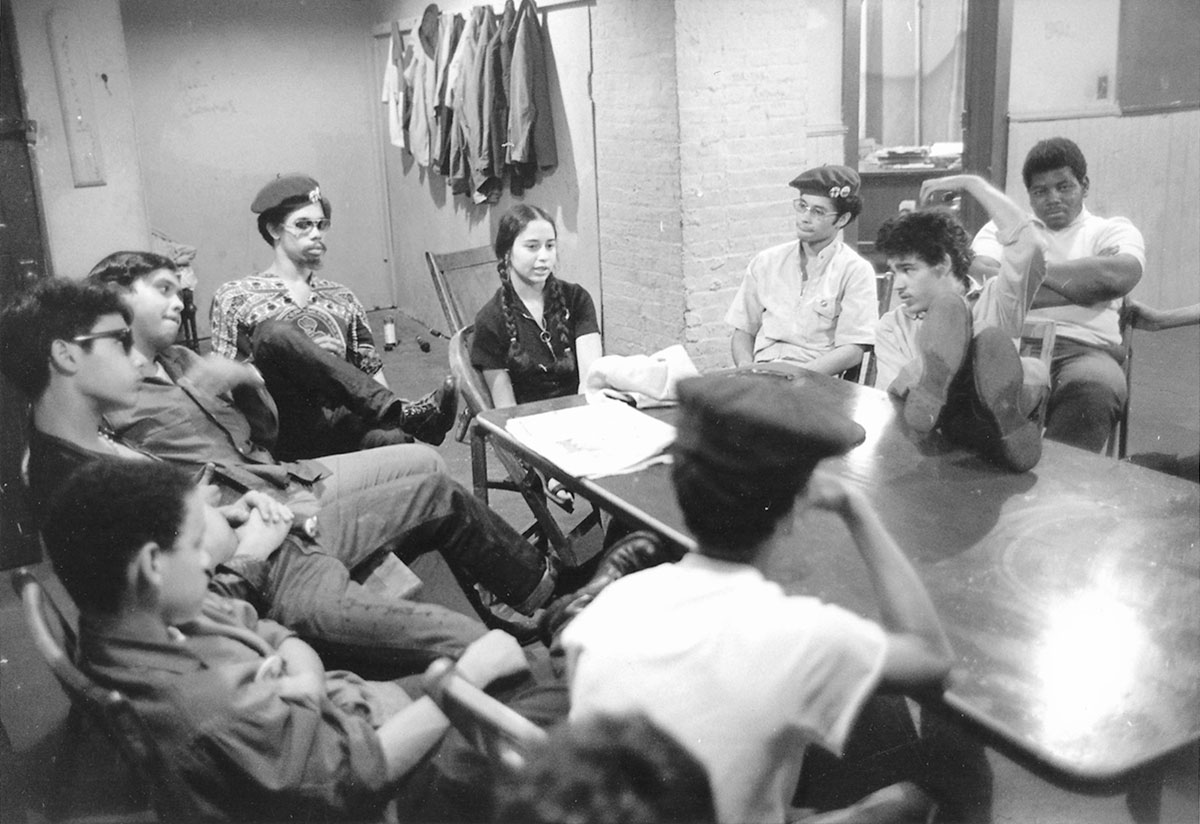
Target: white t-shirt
point(797, 320)
point(1086, 236)
point(741, 674)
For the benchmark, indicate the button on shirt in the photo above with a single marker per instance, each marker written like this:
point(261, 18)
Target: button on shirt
point(796, 318)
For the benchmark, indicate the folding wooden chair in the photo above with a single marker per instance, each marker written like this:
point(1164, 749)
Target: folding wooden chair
point(502, 733)
point(464, 282)
point(1118, 440)
point(108, 709)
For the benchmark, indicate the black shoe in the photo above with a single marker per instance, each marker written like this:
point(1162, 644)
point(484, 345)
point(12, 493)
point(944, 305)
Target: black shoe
point(1010, 437)
point(942, 343)
point(431, 417)
point(634, 552)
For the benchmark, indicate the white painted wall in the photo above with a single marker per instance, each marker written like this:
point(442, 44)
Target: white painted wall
point(82, 223)
point(228, 94)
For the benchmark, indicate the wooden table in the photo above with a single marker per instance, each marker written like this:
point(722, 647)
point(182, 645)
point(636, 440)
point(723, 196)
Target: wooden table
point(1071, 593)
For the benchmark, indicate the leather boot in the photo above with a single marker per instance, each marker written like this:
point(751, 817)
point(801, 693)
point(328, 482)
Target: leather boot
point(941, 343)
point(634, 552)
point(1010, 436)
point(431, 417)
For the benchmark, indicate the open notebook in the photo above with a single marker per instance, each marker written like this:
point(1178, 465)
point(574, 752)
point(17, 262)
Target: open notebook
point(596, 439)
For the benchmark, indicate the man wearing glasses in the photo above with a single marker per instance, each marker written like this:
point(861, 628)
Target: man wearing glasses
point(811, 300)
point(289, 322)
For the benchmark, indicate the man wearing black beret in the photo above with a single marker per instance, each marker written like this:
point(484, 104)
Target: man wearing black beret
point(742, 674)
point(289, 322)
point(811, 300)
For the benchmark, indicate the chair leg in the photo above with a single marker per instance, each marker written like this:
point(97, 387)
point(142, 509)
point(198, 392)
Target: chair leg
point(479, 468)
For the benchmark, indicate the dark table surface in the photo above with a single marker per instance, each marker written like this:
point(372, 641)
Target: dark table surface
point(1071, 593)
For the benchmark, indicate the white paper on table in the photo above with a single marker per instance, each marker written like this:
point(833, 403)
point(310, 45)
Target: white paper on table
point(594, 439)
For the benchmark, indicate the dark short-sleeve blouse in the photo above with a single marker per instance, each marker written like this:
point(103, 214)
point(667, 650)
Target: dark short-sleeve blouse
point(489, 347)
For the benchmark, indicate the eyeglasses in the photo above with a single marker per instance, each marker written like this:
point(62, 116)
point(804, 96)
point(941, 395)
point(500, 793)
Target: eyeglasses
point(816, 211)
point(124, 336)
point(304, 226)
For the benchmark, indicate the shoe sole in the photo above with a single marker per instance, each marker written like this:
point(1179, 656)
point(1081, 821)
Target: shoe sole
point(1016, 440)
point(943, 343)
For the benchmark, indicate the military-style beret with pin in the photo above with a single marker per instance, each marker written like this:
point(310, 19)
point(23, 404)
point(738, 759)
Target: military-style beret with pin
point(828, 181)
point(288, 190)
point(754, 425)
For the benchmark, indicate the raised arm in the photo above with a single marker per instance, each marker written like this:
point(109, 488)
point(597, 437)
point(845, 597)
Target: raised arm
point(919, 653)
point(1006, 214)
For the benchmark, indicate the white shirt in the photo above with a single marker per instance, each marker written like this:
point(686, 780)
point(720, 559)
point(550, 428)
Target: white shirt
point(1086, 236)
point(741, 674)
point(796, 319)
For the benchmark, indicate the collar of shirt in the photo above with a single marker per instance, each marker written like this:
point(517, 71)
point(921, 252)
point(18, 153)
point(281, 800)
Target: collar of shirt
point(812, 268)
point(1079, 220)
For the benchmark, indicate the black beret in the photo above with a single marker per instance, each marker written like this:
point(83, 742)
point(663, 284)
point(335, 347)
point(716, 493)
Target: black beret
point(287, 189)
point(759, 425)
point(828, 181)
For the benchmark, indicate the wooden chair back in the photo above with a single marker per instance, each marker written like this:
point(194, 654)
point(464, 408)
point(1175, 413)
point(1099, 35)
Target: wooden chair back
point(1118, 440)
point(464, 282)
point(884, 282)
point(109, 710)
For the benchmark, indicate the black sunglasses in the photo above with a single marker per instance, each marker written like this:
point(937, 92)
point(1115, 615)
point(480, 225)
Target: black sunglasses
point(124, 335)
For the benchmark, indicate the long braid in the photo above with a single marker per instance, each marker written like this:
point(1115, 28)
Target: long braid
point(556, 315)
point(510, 317)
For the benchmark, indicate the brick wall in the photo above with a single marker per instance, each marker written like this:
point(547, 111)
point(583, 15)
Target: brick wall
point(637, 176)
point(703, 111)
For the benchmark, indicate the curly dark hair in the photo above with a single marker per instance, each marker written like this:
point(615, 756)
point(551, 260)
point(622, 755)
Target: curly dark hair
point(52, 309)
point(607, 770)
point(932, 235)
point(104, 513)
point(1054, 153)
point(123, 268)
point(555, 313)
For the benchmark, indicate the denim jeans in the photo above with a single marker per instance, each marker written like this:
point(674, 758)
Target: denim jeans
point(326, 404)
point(1087, 396)
point(346, 591)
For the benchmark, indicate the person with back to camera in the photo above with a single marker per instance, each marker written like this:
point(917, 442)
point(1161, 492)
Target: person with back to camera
point(537, 336)
point(811, 300)
point(745, 676)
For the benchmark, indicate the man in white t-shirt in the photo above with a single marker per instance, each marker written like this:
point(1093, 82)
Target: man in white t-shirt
point(742, 674)
point(1091, 264)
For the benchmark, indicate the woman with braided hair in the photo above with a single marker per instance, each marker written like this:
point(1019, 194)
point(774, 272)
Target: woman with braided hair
point(538, 335)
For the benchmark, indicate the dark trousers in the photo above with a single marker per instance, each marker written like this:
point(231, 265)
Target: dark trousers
point(885, 748)
point(339, 591)
point(326, 404)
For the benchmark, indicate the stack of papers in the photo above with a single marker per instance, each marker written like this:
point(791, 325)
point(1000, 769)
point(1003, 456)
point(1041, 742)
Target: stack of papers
point(595, 439)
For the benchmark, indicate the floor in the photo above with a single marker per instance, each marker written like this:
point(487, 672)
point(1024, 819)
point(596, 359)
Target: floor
point(1165, 420)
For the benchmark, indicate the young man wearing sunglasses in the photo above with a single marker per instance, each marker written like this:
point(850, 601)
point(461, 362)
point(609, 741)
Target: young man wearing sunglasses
point(340, 579)
point(310, 339)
